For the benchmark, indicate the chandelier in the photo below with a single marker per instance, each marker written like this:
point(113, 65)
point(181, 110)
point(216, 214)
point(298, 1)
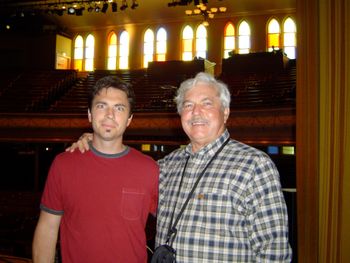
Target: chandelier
point(203, 10)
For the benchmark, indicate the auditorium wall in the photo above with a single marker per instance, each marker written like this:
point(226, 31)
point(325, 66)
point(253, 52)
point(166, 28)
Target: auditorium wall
point(39, 51)
point(27, 52)
point(258, 23)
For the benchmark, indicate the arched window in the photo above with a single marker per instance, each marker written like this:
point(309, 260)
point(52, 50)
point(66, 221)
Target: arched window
point(89, 53)
point(78, 53)
point(273, 35)
point(161, 44)
point(243, 38)
point(124, 50)
point(289, 38)
point(112, 51)
point(148, 47)
point(201, 41)
point(229, 39)
point(187, 43)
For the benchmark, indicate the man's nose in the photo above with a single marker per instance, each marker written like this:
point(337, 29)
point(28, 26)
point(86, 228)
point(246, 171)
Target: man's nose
point(109, 112)
point(196, 108)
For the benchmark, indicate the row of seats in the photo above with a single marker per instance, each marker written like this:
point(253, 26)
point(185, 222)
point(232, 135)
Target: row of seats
point(61, 91)
point(34, 90)
point(262, 90)
point(151, 94)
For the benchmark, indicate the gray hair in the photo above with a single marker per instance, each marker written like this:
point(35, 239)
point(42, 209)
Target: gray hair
point(204, 78)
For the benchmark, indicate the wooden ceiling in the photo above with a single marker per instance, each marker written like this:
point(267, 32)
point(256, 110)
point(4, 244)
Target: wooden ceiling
point(152, 12)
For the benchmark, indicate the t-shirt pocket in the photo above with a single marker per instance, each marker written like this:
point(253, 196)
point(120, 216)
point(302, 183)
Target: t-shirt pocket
point(132, 203)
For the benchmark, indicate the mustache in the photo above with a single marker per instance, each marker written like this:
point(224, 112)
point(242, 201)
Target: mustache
point(197, 120)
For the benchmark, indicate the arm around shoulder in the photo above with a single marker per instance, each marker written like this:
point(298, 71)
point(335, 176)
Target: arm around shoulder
point(82, 144)
point(45, 237)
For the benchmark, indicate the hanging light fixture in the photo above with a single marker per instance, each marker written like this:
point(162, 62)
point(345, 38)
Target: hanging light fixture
point(187, 2)
point(114, 7)
point(71, 7)
point(205, 11)
point(79, 11)
point(134, 4)
point(97, 9)
point(124, 5)
point(71, 10)
point(104, 7)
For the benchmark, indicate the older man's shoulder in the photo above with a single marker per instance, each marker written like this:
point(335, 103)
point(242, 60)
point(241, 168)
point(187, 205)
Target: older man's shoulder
point(237, 147)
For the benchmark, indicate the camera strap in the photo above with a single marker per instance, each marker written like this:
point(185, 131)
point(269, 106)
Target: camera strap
point(172, 227)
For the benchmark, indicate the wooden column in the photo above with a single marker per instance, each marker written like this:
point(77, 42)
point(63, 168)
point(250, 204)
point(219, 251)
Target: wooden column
point(307, 130)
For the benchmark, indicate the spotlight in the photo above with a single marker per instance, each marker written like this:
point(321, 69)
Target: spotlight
point(70, 10)
point(124, 5)
point(134, 4)
point(114, 7)
point(79, 12)
point(97, 9)
point(104, 8)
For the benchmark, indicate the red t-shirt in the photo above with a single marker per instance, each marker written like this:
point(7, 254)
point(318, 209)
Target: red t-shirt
point(104, 201)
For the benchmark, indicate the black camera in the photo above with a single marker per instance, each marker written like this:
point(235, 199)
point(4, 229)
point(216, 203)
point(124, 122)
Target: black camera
point(164, 254)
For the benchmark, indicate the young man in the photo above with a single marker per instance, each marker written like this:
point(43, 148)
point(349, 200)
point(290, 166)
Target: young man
point(237, 212)
point(99, 201)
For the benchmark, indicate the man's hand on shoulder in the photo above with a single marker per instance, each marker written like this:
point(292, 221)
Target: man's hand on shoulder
point(82, 144)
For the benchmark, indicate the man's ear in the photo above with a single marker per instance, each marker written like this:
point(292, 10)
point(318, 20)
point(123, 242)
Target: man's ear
point(226, 114)
point(129, 120)
point(89, 115)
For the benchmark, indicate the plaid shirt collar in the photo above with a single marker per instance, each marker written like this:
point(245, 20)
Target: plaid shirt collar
point(210, 149)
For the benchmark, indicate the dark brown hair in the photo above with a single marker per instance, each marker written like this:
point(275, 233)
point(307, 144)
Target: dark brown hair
point(114, 83)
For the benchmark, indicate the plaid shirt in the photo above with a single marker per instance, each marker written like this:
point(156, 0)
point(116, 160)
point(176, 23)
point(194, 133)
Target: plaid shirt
point(237, 212)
